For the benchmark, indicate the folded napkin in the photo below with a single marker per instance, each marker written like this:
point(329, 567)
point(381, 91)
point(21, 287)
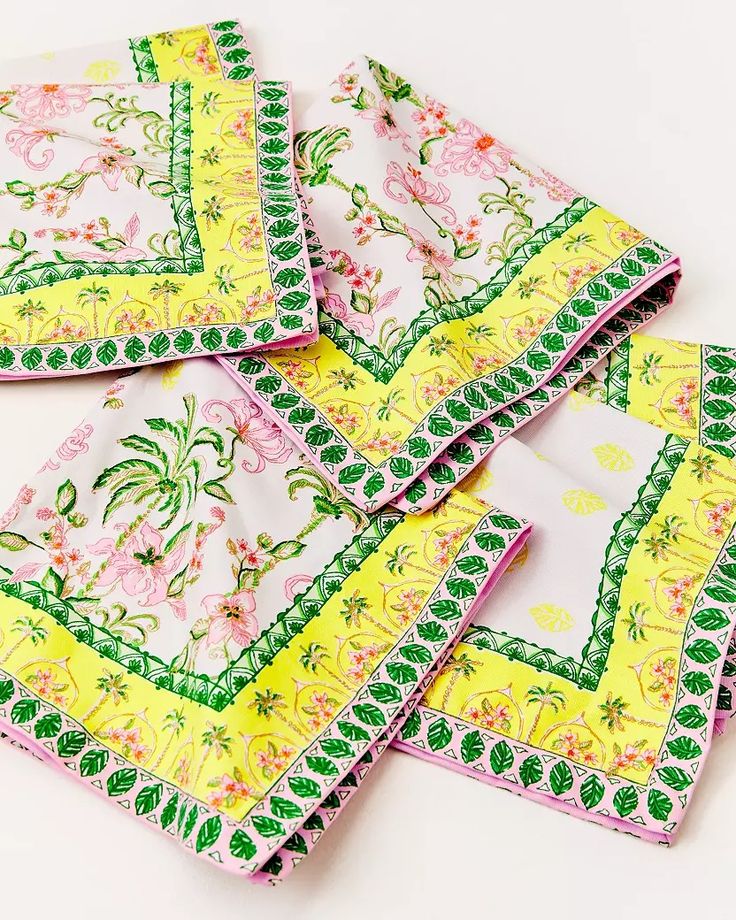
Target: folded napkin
point(198, 625)
point(687, 389)
point(462, 278)
point(107, 185)
point(589, 680)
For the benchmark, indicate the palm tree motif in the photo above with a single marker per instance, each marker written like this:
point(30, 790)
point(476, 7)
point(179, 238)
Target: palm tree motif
point(214, 740)
point(389, 405)
point(458, 666)
point(635, 623)
point(27, 628)
point(328, 501)
point(313, 657)
point(313, 151)
point(165, 290)
point(112, 687)
point(90, 297)
point(355, 610)
point(650, 368)
point(659, 546)
point(29, 311)
point(169, 473)
point(577, 241)
point(672, 530)
point(173, 725)
point(614, 715)
point(544, 697)
point(270, 704)
point(344, 379)
point(399, 559)
point(702, 467)
point(533, 286)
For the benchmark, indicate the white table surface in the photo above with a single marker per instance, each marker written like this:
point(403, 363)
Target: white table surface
point(632, 102)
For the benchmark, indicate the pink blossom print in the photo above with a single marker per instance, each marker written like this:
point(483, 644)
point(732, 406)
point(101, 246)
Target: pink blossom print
point(140, 565)
point(50, 100)
point(231, 618)
point(472, 152)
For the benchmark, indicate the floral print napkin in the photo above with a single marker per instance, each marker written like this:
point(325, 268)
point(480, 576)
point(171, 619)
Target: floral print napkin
point(195, 623)
point(106, 185)
point(462, 278)
point(589, 681)
point(687, 389)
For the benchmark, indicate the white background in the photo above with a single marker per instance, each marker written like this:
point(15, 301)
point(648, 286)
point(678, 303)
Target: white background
point(633, 103)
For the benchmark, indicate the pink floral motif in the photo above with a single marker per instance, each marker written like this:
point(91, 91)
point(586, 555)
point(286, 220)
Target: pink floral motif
point(362, 661)
point(446, 546)
point(75, 443)
point(50, 100)
point(128, 739)
point(362, 323)
point(424, 250)
point(569, 744)
point(229, 790)
point(556, 189)
point(717, 518)
point(634, 756)
point(117, 249)
point(23, 141)
point(24, 497)
point(274, 760)
point(684, 400)
point(412, 187)
point(664, 674)
point(242, 125)
point(321, 710)
point(140, 565)
point(678, 593)
point(231, 618)
point(47, 686)
point(473, 153)
point(578, 274)
point(109, 164)
point(264, 438)
point(384, 124)
point(494, 718)
point(386, 443)
point(439, 387)
point(204, 58)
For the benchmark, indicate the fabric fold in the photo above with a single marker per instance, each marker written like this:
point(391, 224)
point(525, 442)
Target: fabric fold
point(107, 185)
point(197, 625)
point(462, 278)
point(591, 679)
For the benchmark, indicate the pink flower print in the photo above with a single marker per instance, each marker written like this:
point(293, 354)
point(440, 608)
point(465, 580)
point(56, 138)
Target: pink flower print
point(139, 565)
point(405, 185)
point(125, 252)
point(23, 141)
point(109, 164)
point(253, 557)
point(386, 444)
point(50, 100)
point(24, 497)
point(204, 59)
point(473, 153)
point(423, 250)
point(383, 121)
point(483, 363)
point(263, 437)
point(231, 618)
point(241, 127)
point(362, 323)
